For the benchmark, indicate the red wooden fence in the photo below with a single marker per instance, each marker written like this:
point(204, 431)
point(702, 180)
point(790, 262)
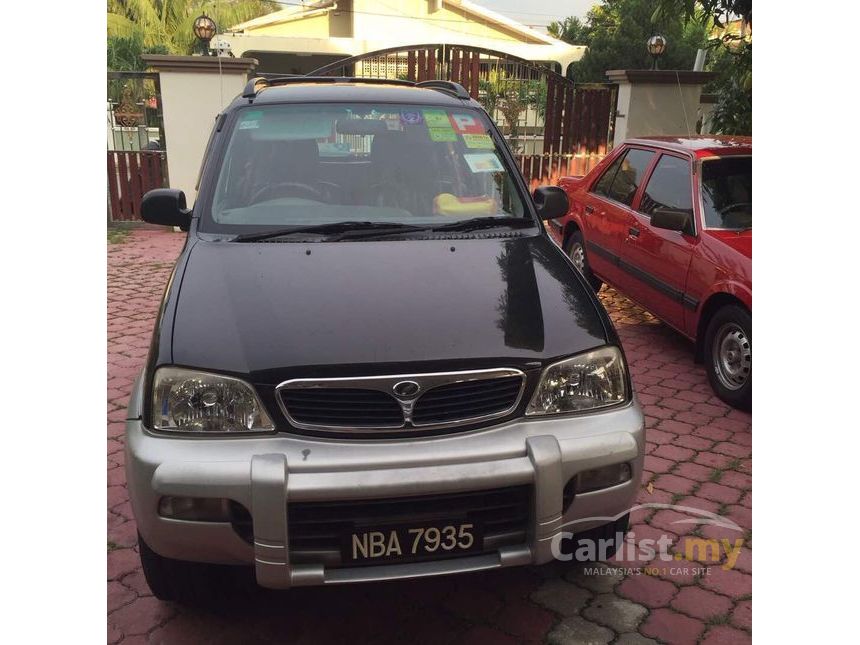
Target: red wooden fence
point(130, 175)
point(546, 169)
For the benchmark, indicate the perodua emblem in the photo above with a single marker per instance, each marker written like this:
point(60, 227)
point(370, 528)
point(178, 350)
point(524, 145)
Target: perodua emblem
point(406, 389)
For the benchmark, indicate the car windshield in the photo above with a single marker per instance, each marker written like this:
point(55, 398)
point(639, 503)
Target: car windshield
point(317, 164)
point(727, 192)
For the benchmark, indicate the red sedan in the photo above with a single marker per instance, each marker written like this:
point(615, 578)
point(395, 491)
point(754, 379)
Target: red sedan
point(668, 222)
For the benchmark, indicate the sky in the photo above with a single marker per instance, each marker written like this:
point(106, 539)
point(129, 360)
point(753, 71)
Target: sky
point(538, 12)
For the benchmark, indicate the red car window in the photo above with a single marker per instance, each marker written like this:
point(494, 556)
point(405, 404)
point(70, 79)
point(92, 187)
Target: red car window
point(605, 181)
point(629, 175)
point(669, 187)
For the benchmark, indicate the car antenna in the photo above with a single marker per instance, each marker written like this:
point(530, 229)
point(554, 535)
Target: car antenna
point(220, 74)
point(683, 106)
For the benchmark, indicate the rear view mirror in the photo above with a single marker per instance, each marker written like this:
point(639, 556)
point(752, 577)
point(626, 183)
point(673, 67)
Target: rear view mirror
point(672, 220)
point(361, 126)
point(165, 206)
point(551, 202)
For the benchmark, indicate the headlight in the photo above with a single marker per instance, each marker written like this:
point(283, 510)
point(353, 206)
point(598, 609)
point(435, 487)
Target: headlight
point(596, 379)
point(190, 401)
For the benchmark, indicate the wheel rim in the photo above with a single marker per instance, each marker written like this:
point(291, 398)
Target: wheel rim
point(577, 256)
point(732, 356)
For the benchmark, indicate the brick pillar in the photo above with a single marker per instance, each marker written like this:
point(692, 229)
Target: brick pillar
point(194, 90)
point(661, 102)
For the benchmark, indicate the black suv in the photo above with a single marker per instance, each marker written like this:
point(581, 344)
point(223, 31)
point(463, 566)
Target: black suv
point(371, 361)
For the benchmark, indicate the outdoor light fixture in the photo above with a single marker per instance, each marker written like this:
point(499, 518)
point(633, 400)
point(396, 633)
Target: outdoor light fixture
point(656, 46)
point(204, 29)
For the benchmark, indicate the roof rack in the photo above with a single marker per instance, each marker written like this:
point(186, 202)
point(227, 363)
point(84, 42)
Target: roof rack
point(256, 84)
point(446, 86)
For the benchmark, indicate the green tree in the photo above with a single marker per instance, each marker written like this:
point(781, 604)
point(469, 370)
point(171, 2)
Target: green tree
point(136, 27)
point(570, 30)
point(730, 57)
point(616, 32)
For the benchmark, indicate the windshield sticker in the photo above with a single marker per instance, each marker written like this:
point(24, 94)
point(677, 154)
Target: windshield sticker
point(411, 117)
point(478, 141)
point(394, 125)
point(250, 120)
point(484, 162)
point(437, 119)
point(442, 134)
point(467, 123)
point(293, 126)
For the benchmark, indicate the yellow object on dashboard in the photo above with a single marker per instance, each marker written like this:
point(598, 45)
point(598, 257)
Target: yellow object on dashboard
point(448, 204)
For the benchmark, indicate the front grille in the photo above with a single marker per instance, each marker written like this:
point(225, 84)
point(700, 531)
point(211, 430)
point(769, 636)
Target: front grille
point(316, 529)
point(343, 407)
point(443, 399)
point(469, 399)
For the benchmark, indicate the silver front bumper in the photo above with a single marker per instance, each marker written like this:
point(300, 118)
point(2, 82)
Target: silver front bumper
point(267, 473)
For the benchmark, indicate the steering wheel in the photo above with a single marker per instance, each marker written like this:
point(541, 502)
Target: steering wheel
point(390, 194)
point(737, 220)
point(734, 207)
point(293, 188)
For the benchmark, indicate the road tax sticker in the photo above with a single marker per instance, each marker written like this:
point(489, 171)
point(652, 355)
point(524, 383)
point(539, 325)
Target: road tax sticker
point(442, 134)
point(478, 141)
point(411, 117)
point(437, 119)
point(393, 125)
point(484, 162)
point(467, 123)
point(250, 120)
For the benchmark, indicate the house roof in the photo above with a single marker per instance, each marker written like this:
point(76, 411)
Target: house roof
point(481, 14)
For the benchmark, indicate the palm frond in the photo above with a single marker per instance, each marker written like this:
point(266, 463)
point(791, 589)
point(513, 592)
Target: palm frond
point(121, 27)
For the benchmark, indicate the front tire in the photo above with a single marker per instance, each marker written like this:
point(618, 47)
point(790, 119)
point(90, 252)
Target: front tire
point(576, 252)
point(194, 583)
point(728, 356)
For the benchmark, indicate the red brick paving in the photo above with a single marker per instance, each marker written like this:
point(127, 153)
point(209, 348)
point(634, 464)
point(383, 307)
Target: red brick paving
point(691, 434)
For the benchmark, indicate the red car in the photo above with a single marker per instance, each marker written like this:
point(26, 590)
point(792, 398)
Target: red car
point(668, 222)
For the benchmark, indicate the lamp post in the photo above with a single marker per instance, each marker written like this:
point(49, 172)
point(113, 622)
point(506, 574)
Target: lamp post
point(204, 29)
point(656, 46)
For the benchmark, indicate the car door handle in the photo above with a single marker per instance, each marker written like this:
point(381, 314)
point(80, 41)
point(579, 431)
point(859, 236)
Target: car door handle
point(633, 231)
point(589, 210)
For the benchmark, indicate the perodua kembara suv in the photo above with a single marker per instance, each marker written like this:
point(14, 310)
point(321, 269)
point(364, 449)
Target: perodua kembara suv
point(371, 362)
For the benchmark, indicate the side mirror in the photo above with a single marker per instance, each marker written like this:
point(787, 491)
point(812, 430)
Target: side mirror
point(672, 220)
point(551, 202)
point(165, 206)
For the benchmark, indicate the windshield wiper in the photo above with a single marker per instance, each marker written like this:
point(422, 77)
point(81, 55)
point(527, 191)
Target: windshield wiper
point(327, 229)
point(477, 223)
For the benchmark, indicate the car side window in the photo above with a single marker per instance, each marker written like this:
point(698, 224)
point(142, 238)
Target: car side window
point(605, 181)
point(670, 186)
point(629, 175)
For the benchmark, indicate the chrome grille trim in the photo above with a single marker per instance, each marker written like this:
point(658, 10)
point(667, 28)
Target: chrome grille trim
point(386, 384)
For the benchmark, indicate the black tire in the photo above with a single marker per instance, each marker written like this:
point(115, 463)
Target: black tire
point(576, 244)
point(728, 355)
point(195, 583)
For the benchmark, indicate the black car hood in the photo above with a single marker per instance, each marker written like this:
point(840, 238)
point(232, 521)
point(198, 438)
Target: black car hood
point(280, 310)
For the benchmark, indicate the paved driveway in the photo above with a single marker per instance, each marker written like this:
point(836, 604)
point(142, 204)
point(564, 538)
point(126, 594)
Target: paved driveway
point(699, 455)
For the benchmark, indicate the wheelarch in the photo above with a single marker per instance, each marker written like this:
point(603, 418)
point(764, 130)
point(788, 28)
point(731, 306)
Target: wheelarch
point(714, 303)
point(569, 229)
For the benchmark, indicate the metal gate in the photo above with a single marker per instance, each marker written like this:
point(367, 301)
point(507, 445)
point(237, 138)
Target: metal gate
point(136, 159)
point(554, 126)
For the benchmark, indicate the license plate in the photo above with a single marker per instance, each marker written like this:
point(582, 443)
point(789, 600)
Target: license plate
point(404, 543)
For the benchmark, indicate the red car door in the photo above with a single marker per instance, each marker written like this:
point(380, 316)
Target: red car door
point(607, 211)
point(654, 262)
